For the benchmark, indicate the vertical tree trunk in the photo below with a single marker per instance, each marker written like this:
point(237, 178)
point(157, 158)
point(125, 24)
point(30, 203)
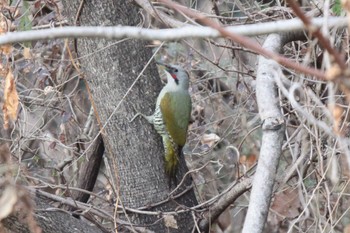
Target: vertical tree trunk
point(134, 150)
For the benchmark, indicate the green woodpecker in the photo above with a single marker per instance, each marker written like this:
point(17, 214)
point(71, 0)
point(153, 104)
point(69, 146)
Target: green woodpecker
point(172, 116)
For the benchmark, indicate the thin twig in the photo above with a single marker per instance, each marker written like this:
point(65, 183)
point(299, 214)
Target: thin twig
point(339, 59)
point(247, 42)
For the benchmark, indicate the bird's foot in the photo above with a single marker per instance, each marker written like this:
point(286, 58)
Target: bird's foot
point(148, 118)
point(135, 116)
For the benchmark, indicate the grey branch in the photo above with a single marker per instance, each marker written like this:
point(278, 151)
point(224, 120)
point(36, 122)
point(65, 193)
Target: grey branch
point(119, 32)
point(224, 202)
point(272, 139)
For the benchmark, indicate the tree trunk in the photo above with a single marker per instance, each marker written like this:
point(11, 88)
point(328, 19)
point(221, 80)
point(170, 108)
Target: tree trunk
point(49, 221)
point(134, 150)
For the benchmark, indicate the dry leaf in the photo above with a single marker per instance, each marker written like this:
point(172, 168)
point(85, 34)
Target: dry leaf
point(337, 115)
point(5, 25)
point(10, 100)
point(333, 72)
point(170, 221)
point(346, 229)
point(26, 53)
point(210, 139)
point(5, 154)
point(3, 70)
point(6, 49)
point(48, 90)
point(346, 5)
point(7, 201)
point(287, 203)
point(248, 160)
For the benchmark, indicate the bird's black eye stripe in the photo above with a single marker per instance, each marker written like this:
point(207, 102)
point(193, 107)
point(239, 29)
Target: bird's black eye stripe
point(175, 70)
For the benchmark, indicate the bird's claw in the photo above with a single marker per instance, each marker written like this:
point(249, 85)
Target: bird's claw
point(148, 118)
point(134, 117)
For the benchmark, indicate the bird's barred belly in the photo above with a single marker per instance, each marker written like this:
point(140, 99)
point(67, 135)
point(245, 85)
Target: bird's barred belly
point(160, 126)
point(158, 123)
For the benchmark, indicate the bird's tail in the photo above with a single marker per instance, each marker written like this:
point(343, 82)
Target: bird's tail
point(171, 159)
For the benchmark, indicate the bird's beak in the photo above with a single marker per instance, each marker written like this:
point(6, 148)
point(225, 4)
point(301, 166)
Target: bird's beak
point(168, 68)
point(164, 78)
point(160, 63)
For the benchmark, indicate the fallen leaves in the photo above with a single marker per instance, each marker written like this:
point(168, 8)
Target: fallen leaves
point(286, 205)
point(8, 201)
point(170, 221)
point(10, 100)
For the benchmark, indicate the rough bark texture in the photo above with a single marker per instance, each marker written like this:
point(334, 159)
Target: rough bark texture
point(89, 171)
point(49, 221)
point(134, 150)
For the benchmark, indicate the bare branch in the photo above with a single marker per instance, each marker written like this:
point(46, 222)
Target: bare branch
point(247, 42)
point(272, 139)
point(224, 202)
point(318, 34)
point(119, 32)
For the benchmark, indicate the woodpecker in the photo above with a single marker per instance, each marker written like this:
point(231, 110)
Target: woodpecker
point(172, 115)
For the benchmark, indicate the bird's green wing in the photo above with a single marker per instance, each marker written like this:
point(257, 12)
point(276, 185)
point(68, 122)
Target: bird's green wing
point(176, 111)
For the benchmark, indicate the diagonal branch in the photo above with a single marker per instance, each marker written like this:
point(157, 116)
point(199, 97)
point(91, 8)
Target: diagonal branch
point(226, 200)
point(339, 59)
point(246, 42)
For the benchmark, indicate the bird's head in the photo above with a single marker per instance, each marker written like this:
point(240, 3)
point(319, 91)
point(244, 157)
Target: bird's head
point(176, 75)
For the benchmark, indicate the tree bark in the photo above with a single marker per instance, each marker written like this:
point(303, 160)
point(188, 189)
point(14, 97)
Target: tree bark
point(273, 133)
point(89, 171)
point(134, 150)
point(53, 221)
